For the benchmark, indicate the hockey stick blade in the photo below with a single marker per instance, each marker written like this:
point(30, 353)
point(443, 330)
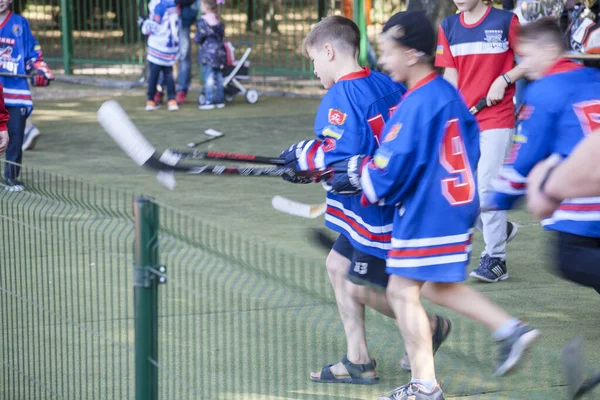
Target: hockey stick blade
point(212, 135)
point(296, 208)
point(322, 239)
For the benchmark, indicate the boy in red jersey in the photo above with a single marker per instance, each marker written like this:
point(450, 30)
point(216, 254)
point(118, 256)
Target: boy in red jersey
point(476, 48)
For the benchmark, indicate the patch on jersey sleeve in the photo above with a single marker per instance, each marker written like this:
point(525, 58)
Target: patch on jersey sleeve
point(382, 158)
point(332, 131)
point(519, 137)
point(17, 30)
point(440, 50)
point(328, 144)
point(336, 117)
point(524, 112)
point(392, 133)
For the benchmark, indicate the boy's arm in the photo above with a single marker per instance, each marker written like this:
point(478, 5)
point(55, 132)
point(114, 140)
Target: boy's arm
point(531, 143)
point(444, 58)
point(393, 167)
point(152, 25)
point(451, 75)
point(4, 117)
point(498, 87)
point(35, 64)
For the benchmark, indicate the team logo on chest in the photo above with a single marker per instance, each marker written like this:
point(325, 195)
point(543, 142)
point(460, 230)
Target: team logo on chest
point(336, 117)
point(494, 39)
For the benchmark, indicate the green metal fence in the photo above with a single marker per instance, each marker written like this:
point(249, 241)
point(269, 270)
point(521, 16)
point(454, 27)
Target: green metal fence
point(82, 313)
point(101, 37)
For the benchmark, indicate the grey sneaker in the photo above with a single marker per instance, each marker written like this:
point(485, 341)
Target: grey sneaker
point(513, 347)
point(491, 269)
point(441, 333)
point(412, 391)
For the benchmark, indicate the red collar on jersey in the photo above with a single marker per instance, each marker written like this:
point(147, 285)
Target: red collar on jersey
point(6, 19)
point(363, 73)
point(473, 25)
point(563, 65)
point(422, 82)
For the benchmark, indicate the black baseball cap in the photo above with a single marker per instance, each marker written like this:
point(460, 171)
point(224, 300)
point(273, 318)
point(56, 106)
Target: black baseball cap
point(412, 29)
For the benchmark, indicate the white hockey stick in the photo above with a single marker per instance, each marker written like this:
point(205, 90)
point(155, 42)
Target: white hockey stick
point(117, 124)
point(296, 208)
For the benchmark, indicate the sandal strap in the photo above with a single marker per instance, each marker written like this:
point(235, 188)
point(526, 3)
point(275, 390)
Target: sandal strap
point(356, 370)
point(439, 335)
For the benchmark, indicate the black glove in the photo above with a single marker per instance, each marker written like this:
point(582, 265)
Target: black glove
point(346, 176)
point(290, 157)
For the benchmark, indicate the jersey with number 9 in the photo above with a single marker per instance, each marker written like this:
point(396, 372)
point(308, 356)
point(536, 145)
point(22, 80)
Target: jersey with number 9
point(426, 165)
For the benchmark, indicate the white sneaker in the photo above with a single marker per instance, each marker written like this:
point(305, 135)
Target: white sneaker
point(220, 105)
point(172, 105)
point(151, 105)
point(206, 107)
point(32, 133)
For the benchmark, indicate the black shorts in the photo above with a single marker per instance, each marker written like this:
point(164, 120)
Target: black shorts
point(365, 268)
point(578, 259)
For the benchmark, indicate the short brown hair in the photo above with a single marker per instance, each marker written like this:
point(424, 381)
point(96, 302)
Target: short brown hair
point(340, 31)
point(545, 30)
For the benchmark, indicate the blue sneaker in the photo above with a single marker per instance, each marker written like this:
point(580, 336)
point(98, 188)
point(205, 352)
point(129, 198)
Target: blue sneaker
point(491, 269)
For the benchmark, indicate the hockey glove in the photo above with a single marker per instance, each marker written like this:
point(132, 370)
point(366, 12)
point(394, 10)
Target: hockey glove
point(290, 157)
point(346, 176)
point(42, 74)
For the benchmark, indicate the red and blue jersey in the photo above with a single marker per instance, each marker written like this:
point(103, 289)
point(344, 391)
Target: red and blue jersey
point(558, 111)
point(349, 122)
point(425, 167)
point(19, 50)
point(481, 52)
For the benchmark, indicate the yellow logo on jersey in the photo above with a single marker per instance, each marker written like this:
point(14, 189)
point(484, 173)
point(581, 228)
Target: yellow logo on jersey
point(381, 161)
point(440, 50)
point(519, 138)
point(331, 131)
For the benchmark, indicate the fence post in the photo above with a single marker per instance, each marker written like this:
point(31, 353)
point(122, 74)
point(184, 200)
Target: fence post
point(146, 299)
point(67, 34)
point(361, 21)
point(322, 9)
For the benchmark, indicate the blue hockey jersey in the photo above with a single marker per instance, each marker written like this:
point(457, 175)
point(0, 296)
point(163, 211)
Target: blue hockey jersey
point(19, 50)
point(426, 166)
point(349, 121)
point(557, 112)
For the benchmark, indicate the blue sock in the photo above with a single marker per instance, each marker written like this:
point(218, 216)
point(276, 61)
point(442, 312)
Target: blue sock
point(427, 384)
point(507, 329)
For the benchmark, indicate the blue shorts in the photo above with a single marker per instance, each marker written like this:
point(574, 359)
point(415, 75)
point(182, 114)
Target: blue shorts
point(365, 269)
point(578, 259)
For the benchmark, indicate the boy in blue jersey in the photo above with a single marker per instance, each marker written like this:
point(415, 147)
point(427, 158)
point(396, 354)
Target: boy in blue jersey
point(20, 54)
point(560, 108)
point(425, 168)
point(348, 122)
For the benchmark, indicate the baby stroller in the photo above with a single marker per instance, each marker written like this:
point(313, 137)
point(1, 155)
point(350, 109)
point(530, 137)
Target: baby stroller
point(234, 72)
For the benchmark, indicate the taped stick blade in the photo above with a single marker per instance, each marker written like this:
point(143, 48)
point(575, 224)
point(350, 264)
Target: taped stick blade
point(296, 208)
point(213, 132)
point(119, 126)
point(573, 364)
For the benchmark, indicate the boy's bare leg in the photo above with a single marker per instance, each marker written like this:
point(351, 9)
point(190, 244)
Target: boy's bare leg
point(352, 313)
point(404, 296)
point(468, 302)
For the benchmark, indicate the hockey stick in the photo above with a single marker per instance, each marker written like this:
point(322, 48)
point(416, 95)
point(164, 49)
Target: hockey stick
point(117, 124)
point(213, 135)
point(219, 155)
point(573, 365)
point(479, 106)
point(7, 74)
point(296, 208)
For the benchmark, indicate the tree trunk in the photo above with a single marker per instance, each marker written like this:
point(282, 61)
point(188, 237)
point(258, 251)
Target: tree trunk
point(436, 10)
